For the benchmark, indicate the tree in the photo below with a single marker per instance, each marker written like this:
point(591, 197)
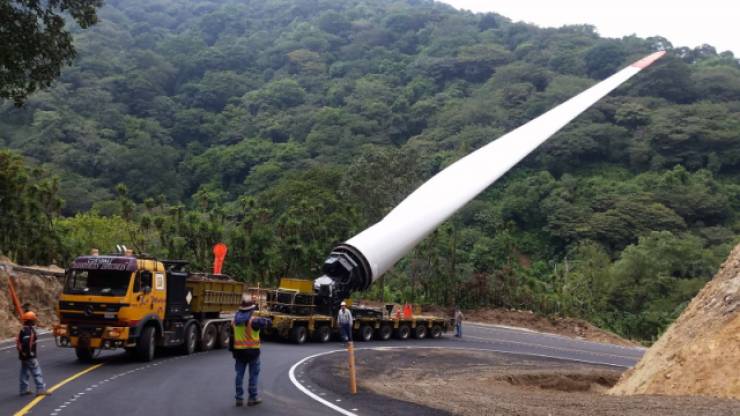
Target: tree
point(603, 59)
point(34, 44)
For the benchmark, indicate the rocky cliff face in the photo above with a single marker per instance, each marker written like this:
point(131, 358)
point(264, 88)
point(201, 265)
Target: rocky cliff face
point(699, 354)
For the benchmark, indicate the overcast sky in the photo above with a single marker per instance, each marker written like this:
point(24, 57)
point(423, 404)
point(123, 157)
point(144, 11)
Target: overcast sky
point(682, 22)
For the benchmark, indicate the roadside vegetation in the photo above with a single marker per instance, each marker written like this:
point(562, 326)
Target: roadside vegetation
point(284, 127)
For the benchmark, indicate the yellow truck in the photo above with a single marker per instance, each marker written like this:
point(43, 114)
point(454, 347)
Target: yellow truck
point(141, 303)
point(298, 317)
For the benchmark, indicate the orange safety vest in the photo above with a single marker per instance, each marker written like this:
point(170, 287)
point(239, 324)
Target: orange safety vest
point(245, 337)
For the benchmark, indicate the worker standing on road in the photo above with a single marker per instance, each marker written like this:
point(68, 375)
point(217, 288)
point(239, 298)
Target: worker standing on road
point(344, 319)
point(245, 346)
point(26, 345)
point(458, 322)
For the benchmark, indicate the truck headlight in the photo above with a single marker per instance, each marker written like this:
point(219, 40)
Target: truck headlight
point(113, 332)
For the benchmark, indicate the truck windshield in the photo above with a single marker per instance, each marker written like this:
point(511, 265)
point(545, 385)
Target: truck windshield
point(97, 282)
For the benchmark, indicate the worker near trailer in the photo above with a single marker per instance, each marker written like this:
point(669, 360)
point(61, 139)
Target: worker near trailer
point(245, 347)
point(458, 322)
point(26, 345)
point(344, 319)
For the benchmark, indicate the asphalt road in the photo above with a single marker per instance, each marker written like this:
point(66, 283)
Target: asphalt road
point(202, 383)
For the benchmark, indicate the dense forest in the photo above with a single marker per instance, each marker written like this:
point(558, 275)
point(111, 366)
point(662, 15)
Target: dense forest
point(283, 127)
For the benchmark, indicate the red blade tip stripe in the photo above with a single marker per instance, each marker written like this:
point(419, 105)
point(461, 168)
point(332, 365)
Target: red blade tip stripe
point(646, 61)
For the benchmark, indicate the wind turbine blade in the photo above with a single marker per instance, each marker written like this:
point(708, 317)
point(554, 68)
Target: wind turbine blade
point(379, 247)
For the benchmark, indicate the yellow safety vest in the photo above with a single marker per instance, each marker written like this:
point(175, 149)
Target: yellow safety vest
point(245, 336)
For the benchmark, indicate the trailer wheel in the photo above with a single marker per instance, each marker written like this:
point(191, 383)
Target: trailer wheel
point(84, 354)
point(145, 346)
point(420, 332)
point(224, 336)
point(385, 332)
point(322, 334)
point(208, 341)
point(436, 331)
point(366, 333)
point(298, 334)
point(403, 332)
point(190, 339)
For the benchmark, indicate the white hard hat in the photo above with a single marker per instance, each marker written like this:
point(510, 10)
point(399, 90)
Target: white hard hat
point(343, 303)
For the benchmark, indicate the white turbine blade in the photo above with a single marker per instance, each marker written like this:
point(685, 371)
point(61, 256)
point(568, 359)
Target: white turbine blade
point(384, 243)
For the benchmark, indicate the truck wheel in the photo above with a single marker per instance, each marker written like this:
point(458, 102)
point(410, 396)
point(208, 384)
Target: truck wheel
point(403, 332)
point(322, 334)
point(145, 346)
point(420, 332)
point(385, 332)
point(298, 334)
point(366, 333)
point(223, 336)
point(84, 354)
point(436, 331)
point(208, 341)
point(190, 339)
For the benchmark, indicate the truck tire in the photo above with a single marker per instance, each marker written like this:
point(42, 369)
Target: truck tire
point(224, 336)
point(322, 333)
point(403, 332)
point(146, 345)
point(190, 339)
point(436, 331)
point(208, 341)
point(420, 332)
point(384, 332)
point(298, 334)
point(84, 354)
point(366, 333)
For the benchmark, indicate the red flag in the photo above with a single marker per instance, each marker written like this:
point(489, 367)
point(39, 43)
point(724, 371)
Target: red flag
point(14, 296)
point(219, 253)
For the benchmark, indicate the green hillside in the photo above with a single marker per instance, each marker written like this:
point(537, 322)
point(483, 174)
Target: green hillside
point(283, 127)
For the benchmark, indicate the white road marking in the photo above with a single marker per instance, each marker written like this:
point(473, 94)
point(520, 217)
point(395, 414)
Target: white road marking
point(530, 344)
point(481, 325)
point(310, 394)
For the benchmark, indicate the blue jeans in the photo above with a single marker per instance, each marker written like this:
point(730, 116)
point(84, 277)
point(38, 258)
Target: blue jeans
point(254, 371)
point(345, 330)
point(458, 330)
point(31, 368)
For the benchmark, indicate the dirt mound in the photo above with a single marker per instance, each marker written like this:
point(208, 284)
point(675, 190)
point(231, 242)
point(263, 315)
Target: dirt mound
point(37, 286)
point(573, 381)
point(699, 354)
point(570, 327)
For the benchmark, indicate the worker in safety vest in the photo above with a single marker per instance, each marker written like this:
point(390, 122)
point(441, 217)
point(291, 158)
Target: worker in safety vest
point(245, 346)
point(26, 345)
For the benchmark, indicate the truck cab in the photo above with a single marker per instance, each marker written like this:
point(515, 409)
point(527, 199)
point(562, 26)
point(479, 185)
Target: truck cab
point(107, 301)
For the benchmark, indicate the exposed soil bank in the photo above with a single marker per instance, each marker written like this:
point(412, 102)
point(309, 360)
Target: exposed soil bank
point(699, 354)
point(38, 286)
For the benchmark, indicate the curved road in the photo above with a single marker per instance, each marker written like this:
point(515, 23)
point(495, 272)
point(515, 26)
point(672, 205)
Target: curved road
point(203, 383)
